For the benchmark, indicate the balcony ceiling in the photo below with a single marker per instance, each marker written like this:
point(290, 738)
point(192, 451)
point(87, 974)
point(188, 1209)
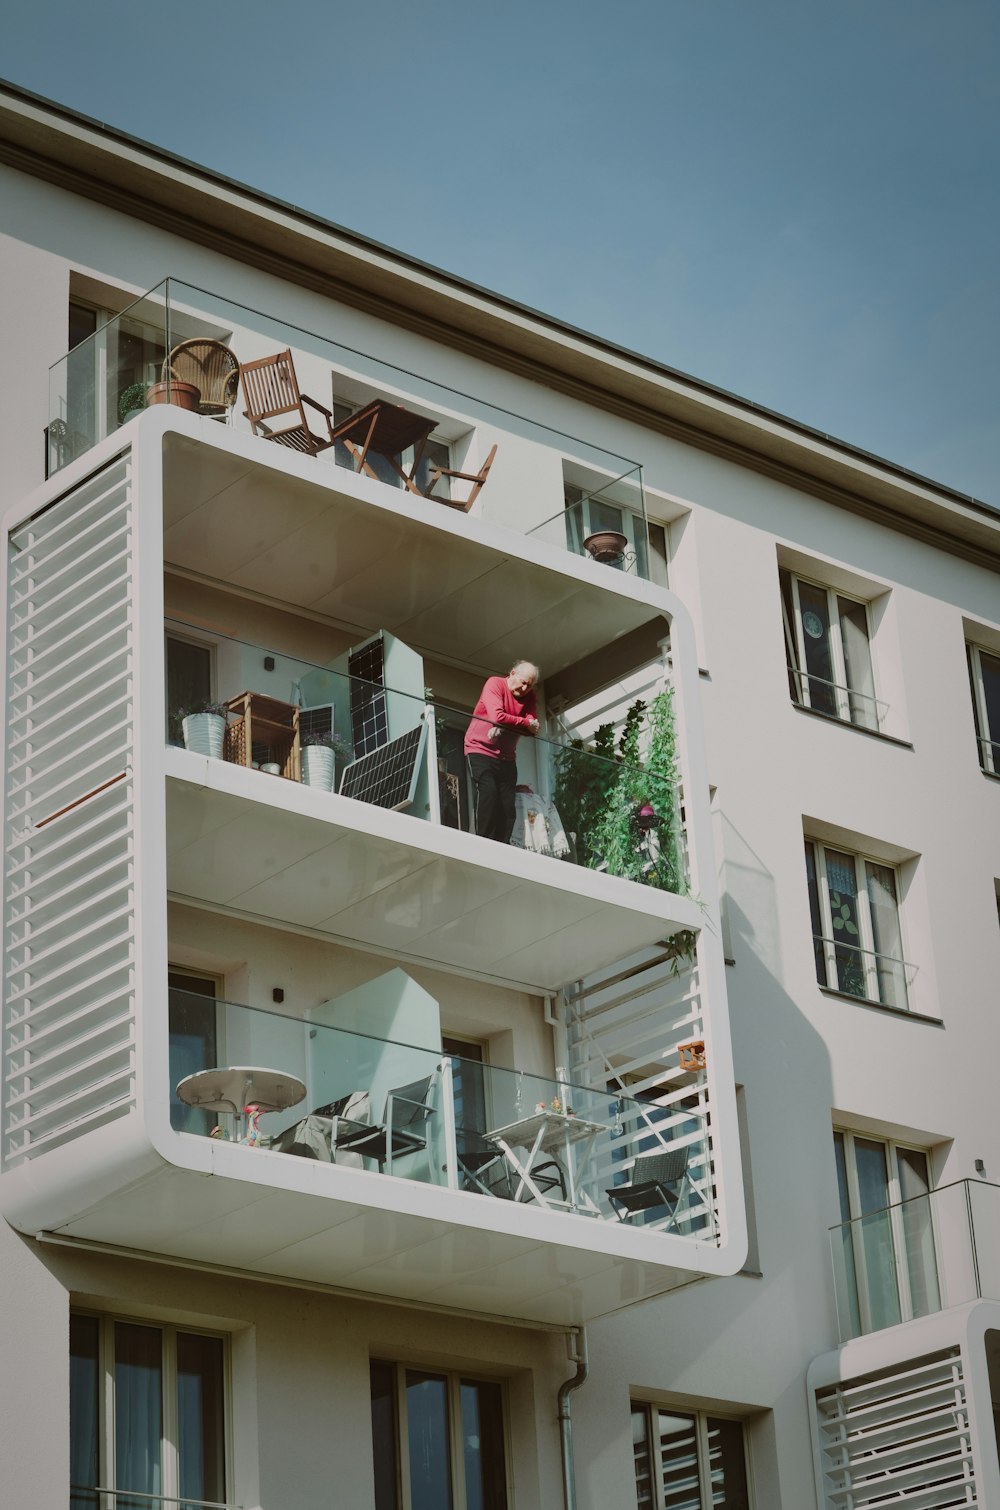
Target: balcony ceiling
point(264, 847)
point(302, 531)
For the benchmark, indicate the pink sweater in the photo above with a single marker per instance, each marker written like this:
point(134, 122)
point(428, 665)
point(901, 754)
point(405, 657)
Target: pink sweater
point(498, 708)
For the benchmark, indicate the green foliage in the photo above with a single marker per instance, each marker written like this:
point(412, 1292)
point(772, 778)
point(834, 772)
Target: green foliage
point(131, 398)
point(600, 792)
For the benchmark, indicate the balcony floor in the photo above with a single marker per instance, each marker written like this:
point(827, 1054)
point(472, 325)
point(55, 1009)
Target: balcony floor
point(267, 848)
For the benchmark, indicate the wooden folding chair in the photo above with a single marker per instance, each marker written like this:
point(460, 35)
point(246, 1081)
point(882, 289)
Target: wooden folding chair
point(271, 390)
point(476, 478)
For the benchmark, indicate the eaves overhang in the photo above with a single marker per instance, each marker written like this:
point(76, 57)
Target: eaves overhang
point(89, 158)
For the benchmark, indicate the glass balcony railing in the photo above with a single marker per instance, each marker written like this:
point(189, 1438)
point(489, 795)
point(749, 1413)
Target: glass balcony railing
point(135, 360)
point(918, 1257)
point(416, 1113)
point(405, 750)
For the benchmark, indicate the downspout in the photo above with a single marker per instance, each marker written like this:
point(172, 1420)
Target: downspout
point(579, 1357)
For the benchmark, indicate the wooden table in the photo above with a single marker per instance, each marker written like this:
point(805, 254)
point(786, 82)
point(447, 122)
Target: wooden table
point(261, 720)
point(389, 430)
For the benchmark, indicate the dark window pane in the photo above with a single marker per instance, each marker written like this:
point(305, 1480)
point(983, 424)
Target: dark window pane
point(201, 1426)
point(482, 1446)
point(842, 880)
point(84, 1399)
point(815, 611)
point(82, 323)
point(815, 914)
point(795, 676)
point(138, 1412)
point(991, 695)
point(427, 1438)
point(189, 683)
point(383, 1388)
point(727, 1465)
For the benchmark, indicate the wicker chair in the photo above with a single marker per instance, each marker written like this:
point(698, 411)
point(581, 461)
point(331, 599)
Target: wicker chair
point(212, 368)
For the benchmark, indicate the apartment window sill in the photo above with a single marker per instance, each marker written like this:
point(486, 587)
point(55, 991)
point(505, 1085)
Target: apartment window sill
point(844, 723)
point(880, 1006)
point(991, 775)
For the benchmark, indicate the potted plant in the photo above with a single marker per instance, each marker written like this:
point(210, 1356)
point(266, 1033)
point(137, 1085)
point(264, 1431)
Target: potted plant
point(131, 401)
point(319, 755)
point(204, 728)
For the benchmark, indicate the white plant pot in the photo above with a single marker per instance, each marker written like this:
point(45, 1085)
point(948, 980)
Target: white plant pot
point(204, 733)
point(318, 767)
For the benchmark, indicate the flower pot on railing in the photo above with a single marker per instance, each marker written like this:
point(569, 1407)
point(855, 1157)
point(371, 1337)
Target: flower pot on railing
point(184, 395)
point(608, 546)
point(204, 733)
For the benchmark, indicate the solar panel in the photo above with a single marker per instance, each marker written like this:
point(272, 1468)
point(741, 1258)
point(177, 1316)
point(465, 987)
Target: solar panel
point(315, 721)
point(387, 776)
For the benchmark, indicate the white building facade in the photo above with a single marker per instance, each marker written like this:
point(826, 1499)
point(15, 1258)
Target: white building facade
point(348, 1157)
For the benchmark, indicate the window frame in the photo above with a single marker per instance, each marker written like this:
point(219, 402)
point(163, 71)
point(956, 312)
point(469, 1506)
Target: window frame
point(342, 408)
point(454, 1380)
point(210, 646)
point(901, 1245)
point(851, 702)
point(702, 1420)
point(652, 559)
point(987, 741)
point(864, 924)
point(107, 1321)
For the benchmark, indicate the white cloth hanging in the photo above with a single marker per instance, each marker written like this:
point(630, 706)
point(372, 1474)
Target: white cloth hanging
point(537, 825)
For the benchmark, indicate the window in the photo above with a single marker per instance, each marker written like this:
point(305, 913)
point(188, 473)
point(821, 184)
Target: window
point(884, 1257)
point(438, 1441)
point(984, 675)
point(857, 942)
point(192, 1016)
point(828, 644)
point(688, 1461)
point(147, 1414)
point(586, 513)
point(436, 453)
point(188, 681)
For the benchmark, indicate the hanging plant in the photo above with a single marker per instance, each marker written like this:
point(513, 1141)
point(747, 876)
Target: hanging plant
point(625, 814)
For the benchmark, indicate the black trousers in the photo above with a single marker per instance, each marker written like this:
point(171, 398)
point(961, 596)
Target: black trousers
point(493, 783)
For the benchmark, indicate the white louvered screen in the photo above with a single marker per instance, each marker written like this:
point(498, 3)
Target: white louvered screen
point(625, 1027)
point(898, 1437)
point(68, 872)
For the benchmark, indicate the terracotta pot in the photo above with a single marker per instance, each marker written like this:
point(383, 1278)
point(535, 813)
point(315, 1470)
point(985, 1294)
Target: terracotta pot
point(606, 545)
point(184, 395)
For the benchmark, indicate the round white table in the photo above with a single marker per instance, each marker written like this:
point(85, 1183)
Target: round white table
point(235, 1087)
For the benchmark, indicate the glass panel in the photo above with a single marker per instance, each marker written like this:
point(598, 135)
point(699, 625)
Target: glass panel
point(600, 808)
point(483, 1446)
point(381, 1106)
point(795, 675)
point(918, 1231)
point(876, 1236)
point(193, 1046)
point(383, 1388)
point(858, 662)
point(727, 1465)
point(189, 683)
point(815, 914)
point(468, 1084)
point(841, 877)
point(990, 666)
point(845, 1271)
point(84, 1408)
point(642, 1456)
point(819, 668)
point(679, 1462)
point(201, 1419)
point(138, 1413)
point(428, 1441)
point(886, 935)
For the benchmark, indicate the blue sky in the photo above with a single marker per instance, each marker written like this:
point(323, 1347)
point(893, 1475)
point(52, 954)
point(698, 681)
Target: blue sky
point(797, 200)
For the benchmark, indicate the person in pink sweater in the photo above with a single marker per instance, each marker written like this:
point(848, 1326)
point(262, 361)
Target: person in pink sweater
point(506, 709)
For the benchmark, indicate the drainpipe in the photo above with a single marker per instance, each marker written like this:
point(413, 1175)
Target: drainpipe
point(578, 1356)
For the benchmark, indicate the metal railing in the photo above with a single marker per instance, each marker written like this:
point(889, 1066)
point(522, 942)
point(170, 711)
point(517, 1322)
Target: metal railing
point(96, 1497)
point(838, 701)
point(863, 973)
point(917, 1257)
